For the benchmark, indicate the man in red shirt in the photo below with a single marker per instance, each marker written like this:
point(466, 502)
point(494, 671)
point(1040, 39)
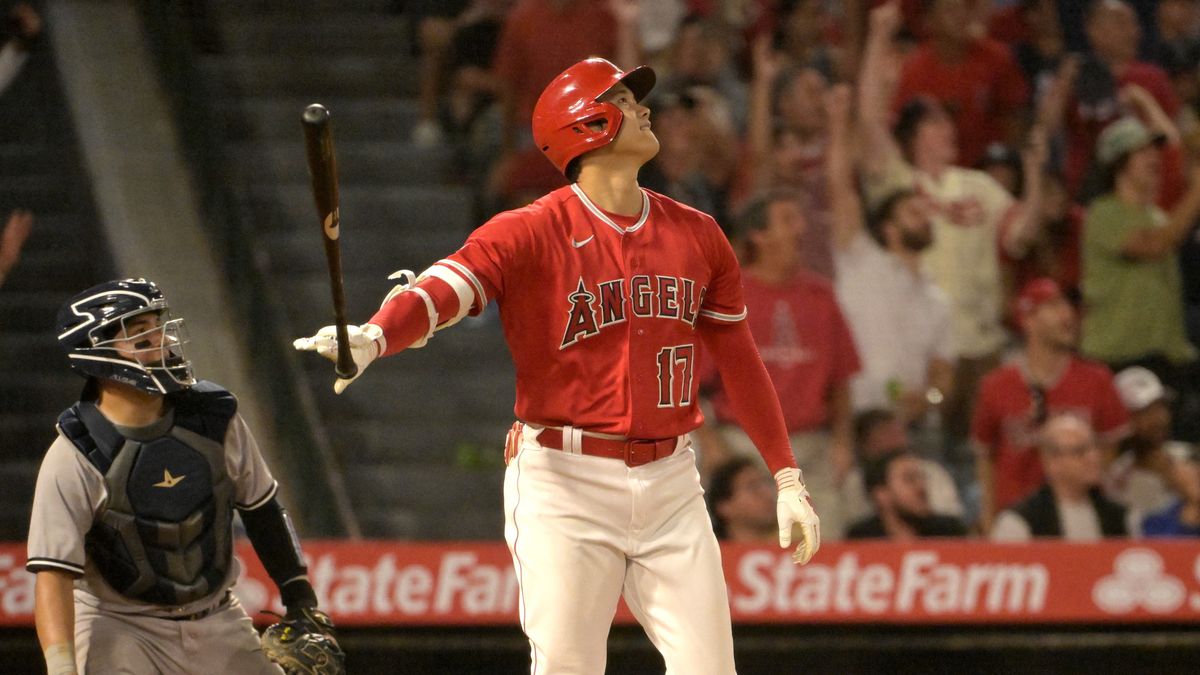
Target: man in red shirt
point(806, 345)
point(605, 292)
point(975, 78)
point(1097, 98)
point(1045, 379)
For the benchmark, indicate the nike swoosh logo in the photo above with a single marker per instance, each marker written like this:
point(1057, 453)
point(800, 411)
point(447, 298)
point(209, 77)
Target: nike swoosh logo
point(580, 244)
point(168, 480)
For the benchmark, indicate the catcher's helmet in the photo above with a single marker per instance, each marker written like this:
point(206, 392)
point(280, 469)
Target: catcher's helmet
point(566, 106)
point(89, 323)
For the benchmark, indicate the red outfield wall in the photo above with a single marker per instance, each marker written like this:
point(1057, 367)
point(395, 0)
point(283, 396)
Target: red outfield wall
point(385, 583)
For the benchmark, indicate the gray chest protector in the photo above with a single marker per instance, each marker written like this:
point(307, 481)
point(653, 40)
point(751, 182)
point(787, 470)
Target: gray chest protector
point(164, 537)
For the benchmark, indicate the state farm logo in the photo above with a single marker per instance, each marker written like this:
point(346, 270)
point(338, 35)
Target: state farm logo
point(1138, 580)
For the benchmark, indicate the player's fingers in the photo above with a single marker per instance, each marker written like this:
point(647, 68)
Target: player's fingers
point(785, 535)
point(340, 385)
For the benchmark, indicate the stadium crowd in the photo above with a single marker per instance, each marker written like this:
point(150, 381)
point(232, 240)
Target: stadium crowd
point(967, 229)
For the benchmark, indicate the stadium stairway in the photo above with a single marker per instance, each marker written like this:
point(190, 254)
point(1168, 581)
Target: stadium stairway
point(41, 170)
point(419, 436)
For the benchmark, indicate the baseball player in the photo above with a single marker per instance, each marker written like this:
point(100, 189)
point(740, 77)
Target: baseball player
point(605, 291)
point(131, 536)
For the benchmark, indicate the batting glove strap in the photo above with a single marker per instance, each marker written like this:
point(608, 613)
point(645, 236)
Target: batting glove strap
point(408, 284)
point(798, 521)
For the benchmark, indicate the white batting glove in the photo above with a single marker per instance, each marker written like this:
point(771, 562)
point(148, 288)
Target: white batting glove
point(798, 521)
point(366, 344)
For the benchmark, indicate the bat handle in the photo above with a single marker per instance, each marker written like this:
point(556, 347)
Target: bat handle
point(345, 366)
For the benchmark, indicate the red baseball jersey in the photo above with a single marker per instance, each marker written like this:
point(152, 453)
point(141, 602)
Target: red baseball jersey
point(601, 311)
point(1005, 413)
point(805, 345)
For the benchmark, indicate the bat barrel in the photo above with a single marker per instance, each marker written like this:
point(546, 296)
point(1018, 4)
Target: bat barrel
point(322, 169)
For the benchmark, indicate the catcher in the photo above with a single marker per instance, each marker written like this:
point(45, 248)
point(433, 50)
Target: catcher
point(131, 537)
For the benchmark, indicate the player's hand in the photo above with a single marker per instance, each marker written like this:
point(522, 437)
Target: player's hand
point(366, 344)
point(798, 522)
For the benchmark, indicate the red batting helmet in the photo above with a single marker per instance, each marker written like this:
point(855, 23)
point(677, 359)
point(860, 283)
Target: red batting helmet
point(566, 106)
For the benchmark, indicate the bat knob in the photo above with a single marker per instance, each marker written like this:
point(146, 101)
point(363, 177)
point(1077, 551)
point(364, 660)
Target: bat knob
point(316, 114)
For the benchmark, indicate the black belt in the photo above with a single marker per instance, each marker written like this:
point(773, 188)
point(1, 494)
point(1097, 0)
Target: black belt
point(196, 616)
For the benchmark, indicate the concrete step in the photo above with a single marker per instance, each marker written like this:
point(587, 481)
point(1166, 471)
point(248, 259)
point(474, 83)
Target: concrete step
point(429, 486)
point(32, 310)
point(303, 35)
point(31, 159)
point(47, 392)
point(16, 499)
point(367, 251)
point(321, 77)
point(381, 163)
point(378, 117)
point(315, 9)
point(39, 193)
point(29, 349)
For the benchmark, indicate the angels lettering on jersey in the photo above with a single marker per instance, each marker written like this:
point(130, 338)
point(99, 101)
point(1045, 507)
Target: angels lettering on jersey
point(591, 310)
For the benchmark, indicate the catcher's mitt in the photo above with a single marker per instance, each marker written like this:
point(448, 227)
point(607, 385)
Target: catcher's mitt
point(304, 643)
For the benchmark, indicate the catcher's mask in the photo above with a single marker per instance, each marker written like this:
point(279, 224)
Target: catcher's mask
point(106, 334)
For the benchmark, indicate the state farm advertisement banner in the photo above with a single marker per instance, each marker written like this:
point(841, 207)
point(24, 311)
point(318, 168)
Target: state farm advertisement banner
point(378, 583)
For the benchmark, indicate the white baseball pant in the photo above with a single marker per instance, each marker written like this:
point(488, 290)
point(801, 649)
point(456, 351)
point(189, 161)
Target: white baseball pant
point(583, 531)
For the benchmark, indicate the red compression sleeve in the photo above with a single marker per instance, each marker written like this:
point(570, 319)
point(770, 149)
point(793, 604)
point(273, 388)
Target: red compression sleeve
point(405, 318)
point(750, 392)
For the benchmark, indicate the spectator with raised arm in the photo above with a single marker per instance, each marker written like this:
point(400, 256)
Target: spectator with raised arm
point(24, 27)
point(16, 231)
point(786, 141)
point(1070, 505)
point(1132, 288)
point(1111, 65)
point(899, 319)
point(972, 76)
point(971, 213)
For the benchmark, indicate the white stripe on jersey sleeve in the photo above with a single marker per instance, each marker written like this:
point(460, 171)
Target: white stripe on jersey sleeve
point(480, 298)
point(38, 564)
point(728, 318)
point(464, 291)
point(261, 501)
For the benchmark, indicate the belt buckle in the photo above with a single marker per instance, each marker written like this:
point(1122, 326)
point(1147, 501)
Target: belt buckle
point(638, 453)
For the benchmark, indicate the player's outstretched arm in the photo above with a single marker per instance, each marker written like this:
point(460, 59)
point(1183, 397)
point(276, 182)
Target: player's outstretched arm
point(407, 318)
point(756, 407)
point(54, 615)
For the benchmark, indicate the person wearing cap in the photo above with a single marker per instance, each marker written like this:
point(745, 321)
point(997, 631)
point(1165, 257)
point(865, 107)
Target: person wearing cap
point(1131, 284)
point(1045, 378)
point(1140, 477)
point(972, 215)
point(1069, 505)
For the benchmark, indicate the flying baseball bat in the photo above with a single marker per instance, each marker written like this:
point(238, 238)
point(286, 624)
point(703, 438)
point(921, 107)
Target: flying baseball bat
point(322, 168)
